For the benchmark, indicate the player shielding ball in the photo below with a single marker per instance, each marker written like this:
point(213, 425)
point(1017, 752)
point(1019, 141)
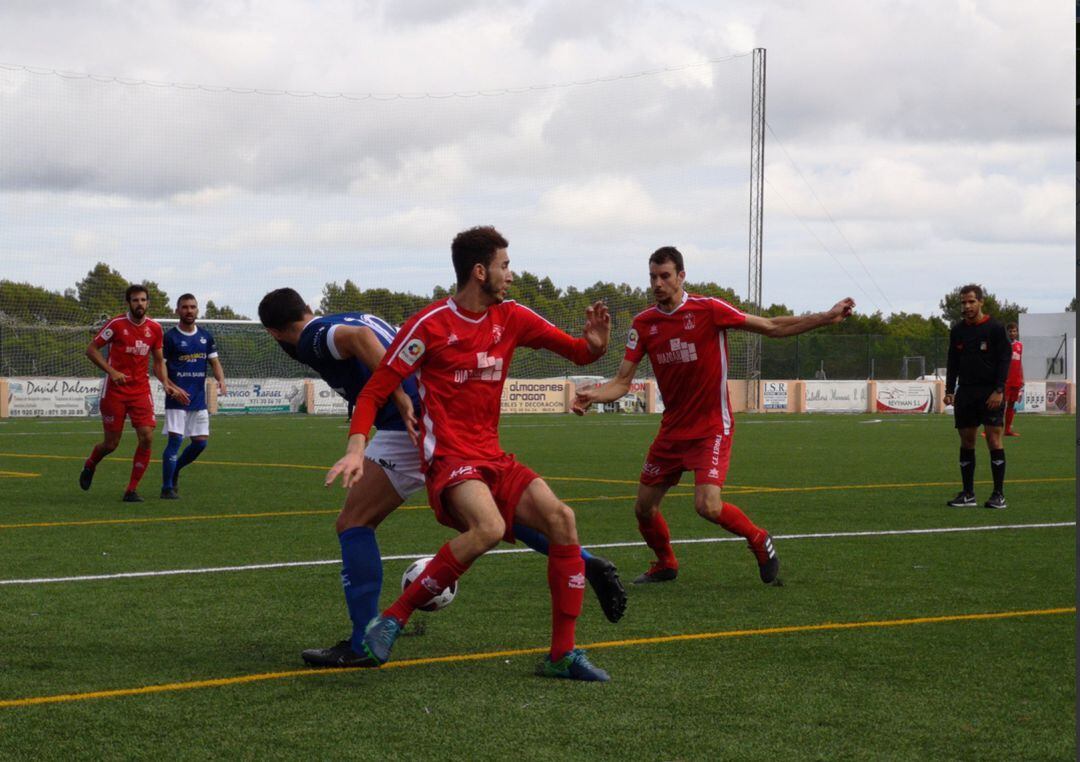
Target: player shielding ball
point(188, 349)
point(685, 338)
point(131, 338)
point(459, 349)
point(344, 349)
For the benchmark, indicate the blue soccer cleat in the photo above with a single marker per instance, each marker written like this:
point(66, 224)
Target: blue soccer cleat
point(574, 665)
point(379, 637)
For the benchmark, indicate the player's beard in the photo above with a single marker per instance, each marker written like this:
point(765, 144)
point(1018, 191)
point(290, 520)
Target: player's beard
point(187, 322)
point(495, 293)
point(138, 312)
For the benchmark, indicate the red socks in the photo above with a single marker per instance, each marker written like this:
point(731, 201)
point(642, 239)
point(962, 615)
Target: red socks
point(440, 573)
point(736, 522)
point(96, 457)
point(1010, 413)
point(566, 578)
point(139, 462)
point(658, 537)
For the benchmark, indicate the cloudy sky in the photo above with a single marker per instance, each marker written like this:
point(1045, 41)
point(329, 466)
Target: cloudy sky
point(913, 145)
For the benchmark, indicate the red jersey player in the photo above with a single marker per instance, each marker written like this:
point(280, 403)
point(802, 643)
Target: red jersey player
point(684, 337)
point(131, 338)
point(1014, 385)
point(460, 349)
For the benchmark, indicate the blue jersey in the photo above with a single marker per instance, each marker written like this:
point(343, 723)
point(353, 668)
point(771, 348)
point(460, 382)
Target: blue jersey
point(347, 376)
point(186, 358)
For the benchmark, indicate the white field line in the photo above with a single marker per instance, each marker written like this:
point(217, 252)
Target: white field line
point(509, 551)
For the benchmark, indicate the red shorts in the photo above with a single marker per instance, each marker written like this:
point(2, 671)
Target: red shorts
point(708, 458)
point(115, 408)
point(505, 477)
point(1012, 393)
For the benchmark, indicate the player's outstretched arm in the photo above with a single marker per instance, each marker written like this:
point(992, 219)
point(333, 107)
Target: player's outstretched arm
point(350, 467)
point(597, 331)
point(612, 390)
point(792, 325)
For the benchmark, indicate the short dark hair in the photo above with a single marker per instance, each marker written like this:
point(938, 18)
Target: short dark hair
point(472, 247)
point(668, 254)
point(185, 297)
point(135, 288)
point(1011, 325)
point(972, 288)
point(281, 307)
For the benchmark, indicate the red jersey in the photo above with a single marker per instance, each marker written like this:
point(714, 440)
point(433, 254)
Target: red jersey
point(1016, 367)
point(130, 345)
point(460, 359)
point(688, 351)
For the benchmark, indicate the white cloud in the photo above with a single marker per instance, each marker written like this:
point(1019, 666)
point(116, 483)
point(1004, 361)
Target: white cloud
point(603, 203)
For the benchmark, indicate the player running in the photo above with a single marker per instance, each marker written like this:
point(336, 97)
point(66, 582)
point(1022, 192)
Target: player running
point(977, 371)
point(460, 348)
point(684, 336)
point(344, 349)
point(1014, 384)
point(131, 338)
point(188, 349)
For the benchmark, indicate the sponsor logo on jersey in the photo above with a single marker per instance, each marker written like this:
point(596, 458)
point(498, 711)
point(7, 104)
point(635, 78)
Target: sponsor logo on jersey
point(487, 369)
point(680, 352)
point(412, 351)
point(632, 339)
point(654, 329)
point(576, 582)
point(139, 348)
point(387, 464)
point(451, 339)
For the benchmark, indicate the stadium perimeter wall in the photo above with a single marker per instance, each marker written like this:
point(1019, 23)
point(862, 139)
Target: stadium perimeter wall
point(50, 397)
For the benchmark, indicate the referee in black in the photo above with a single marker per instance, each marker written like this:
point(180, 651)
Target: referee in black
point(979, 357)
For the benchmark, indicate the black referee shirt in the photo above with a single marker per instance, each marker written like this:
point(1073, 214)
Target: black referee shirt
point(979, 355)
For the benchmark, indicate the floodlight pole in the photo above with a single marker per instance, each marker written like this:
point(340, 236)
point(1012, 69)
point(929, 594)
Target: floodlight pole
point(757, 187)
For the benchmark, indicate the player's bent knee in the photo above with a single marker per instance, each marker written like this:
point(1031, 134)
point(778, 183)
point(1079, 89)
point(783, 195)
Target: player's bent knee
point(562, 525)
point(708, 509)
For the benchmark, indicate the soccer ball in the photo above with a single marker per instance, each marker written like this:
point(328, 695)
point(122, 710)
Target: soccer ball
point(440, 601)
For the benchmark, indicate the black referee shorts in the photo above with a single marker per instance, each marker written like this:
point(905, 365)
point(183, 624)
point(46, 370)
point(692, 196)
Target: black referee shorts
point(970, 410)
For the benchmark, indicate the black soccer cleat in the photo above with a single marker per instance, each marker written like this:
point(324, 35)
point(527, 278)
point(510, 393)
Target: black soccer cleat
point(86, 478)
point(339, 655)
point(962, 500)
point(768, 561)
point(131, 496)
point(604, 579)
point(657, 573)
point(169, 493)
point(997, 501)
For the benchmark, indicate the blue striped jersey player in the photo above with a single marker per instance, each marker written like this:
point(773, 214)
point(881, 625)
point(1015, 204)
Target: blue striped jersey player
point(344, 349)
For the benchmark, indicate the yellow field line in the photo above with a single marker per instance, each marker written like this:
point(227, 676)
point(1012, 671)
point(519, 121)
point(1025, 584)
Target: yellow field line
point(17, 475)
point(487, 655)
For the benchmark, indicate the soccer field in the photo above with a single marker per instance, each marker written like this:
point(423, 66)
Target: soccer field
point(903, 630)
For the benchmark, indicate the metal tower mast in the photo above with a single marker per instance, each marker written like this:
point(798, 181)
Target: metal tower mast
point(757, 187)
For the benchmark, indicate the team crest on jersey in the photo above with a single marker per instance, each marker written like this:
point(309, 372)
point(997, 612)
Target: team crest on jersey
point(202, 340)
point(496, 333)
point(632, 339)
point(412, 351)
point(688, 321)
point(146, 333)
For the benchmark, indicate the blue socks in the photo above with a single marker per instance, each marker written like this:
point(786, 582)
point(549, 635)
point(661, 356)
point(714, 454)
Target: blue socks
point(538, 541)
point(361, 579)
point(168, 460)
point(192, 451)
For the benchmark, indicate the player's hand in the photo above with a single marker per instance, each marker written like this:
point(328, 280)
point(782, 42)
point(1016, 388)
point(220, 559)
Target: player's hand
point(221, 389)
point(994, 400)
point(179, 395)
point(583, 400)
point(597, 331)
point(118, 378)
point(947, 399)
point(351, 466)
point(842, 309)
